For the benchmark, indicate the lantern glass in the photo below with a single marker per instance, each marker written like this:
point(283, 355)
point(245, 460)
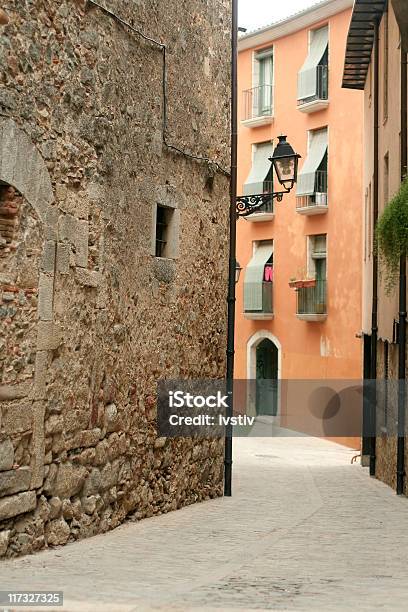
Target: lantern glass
point(285, 169)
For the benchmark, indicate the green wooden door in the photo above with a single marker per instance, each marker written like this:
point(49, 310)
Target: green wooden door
point(266, 378)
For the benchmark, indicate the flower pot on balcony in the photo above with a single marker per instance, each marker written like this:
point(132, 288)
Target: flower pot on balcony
point(302, 284)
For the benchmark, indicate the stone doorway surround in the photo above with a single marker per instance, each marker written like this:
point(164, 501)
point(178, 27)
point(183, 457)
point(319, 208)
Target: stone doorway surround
point(252, 344)
point(22, 167)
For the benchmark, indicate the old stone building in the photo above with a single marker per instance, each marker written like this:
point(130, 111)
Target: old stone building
point(113, 257)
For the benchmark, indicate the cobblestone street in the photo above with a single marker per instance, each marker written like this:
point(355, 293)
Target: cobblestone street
point(305, 530)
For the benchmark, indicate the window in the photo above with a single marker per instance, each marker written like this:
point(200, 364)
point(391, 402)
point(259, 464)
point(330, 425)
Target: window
point(268, 270)
point(258, 100)
point(161, 231)
point(313, 76)
point(385, 65)
point(166, 232)
point(260, 178)
point(312, 185)
point(386, 179)
point(317, 267)
point(258, 280)
point(370, 82)
point(263, 81)
point(370, 223)
point(311, 298)
point(366, 213)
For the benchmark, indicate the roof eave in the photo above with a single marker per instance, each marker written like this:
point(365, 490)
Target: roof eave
point(360, 42)
point(314, 14)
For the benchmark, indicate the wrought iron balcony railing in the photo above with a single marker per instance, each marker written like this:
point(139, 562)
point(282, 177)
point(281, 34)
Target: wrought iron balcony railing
point(268, 207)
point(258, 102)
point(322, 89)
point(320, 197)
point(312, 300)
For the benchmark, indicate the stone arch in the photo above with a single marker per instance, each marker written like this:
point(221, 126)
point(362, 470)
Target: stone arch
point(22, 167)
point(252, 343)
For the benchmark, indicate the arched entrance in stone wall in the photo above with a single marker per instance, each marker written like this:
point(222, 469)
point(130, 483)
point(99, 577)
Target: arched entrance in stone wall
point(28, 235)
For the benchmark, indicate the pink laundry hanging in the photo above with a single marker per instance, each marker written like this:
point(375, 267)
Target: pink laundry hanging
point(268, 274)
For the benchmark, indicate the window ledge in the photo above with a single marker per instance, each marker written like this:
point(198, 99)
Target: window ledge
point(258, 121)
point(313, 209)
point(259, 217)
point(312, 317)
point(259, 316)
point(314, 106)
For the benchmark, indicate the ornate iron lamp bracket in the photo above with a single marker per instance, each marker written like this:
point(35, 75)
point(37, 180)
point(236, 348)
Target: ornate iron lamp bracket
point(246, 205)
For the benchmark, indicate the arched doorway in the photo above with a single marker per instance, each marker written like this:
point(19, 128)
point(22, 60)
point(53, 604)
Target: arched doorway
point(28, 245)
point(264, 356)
point(267, 357)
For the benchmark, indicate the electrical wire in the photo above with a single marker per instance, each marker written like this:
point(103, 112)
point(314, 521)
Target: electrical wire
point(162, 48)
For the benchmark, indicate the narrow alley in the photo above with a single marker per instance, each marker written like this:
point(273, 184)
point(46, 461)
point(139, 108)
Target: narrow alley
point(304, 530)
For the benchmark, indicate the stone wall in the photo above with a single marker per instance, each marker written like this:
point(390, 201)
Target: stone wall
point(386, 441)
point(90, 319)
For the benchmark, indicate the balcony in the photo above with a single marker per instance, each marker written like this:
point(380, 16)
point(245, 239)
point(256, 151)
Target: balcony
point(321, 100)
point(312, 302)
point(267, 211)
point(267, 305)
point(317, 203)
point(258, 106)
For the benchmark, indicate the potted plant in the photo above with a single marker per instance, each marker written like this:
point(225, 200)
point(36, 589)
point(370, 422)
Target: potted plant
point(391, 236)
point(301, 281)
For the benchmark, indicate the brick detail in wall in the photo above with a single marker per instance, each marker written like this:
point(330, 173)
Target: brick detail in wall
point(10, 207)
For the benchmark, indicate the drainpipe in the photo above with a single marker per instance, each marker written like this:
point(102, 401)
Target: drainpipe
point(233, 246)
point(374, 314)
point(402, 337)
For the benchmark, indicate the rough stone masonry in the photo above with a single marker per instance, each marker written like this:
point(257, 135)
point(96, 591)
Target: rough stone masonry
point(90, 318)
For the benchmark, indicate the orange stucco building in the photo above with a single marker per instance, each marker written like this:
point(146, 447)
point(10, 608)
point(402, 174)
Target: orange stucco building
point(290, 82)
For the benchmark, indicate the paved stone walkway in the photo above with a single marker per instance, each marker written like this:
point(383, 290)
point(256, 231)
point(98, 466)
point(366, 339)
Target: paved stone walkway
point(305, 530)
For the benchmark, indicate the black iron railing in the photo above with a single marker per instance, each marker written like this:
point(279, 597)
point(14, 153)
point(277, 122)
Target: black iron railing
point(268, 207)
point(320, 196)
point(312, 300)
point(258, 102)
point(322, 86)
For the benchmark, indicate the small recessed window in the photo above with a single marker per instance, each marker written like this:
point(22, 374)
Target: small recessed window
point(163, 222)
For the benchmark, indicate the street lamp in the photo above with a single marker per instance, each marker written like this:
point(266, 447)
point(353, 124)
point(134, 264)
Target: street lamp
point(285, 164)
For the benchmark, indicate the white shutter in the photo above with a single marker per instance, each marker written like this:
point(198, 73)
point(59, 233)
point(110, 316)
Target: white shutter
point(260, 169)
point(254, 275)
point(307, 77)
point(307, 175)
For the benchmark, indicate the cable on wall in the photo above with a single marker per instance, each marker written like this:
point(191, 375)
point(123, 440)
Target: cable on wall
point(162, 47)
